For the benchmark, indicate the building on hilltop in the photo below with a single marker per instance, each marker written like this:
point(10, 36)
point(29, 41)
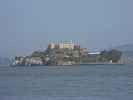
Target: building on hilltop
point(66, 45)
point(62, 45)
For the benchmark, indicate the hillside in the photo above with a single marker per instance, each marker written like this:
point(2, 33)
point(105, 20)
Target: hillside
point(127, 53)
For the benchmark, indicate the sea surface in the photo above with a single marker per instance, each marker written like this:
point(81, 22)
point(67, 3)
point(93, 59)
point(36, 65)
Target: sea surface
point(88, 82)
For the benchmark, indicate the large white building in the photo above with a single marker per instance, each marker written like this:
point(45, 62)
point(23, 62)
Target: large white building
point(63, 45)
point(66, 45)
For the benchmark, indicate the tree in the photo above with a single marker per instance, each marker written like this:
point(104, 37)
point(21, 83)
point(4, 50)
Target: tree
point(113, 55)
point(104, 56)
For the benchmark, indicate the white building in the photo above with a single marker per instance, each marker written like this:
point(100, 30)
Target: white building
point(62, 45)
point(67, 45)
point(36, 60)
point(94, 53)
point(52, 45)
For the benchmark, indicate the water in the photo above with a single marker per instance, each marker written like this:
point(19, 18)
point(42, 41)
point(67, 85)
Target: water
point(91, 82)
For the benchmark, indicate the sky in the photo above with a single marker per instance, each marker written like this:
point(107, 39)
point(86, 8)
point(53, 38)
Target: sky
point(29, 25)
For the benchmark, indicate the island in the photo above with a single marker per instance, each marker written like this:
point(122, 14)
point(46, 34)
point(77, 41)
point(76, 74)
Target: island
point(67, 53)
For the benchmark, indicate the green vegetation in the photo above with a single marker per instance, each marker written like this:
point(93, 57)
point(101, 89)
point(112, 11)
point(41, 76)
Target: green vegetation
point(112, 55)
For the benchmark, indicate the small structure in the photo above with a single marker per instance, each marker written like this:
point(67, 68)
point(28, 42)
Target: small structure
point(94, 53)
point(83, 51)
point(36, 61)
point(51, 46)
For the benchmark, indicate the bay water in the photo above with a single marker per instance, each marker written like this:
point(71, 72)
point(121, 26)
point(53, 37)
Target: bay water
point(87, 82)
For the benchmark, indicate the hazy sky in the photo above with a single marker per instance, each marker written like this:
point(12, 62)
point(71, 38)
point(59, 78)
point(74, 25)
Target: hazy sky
point(27, 25)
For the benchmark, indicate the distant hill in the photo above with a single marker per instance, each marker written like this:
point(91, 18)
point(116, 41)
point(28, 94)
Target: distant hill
point(125, 48)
